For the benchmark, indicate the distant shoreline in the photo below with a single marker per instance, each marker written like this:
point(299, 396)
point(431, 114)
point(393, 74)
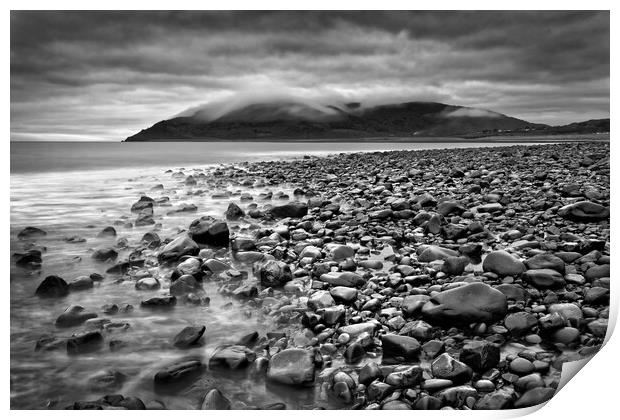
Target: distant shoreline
point(491, 139)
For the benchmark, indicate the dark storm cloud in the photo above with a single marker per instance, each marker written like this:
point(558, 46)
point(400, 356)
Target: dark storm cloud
point(105, 75)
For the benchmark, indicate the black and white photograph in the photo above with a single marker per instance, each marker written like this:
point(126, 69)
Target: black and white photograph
point(306, 209)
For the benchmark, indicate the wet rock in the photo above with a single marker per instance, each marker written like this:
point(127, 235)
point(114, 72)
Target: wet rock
point(210, 231)
point(480, 355)
point(231, 357)
point(107, 380)
point(454, 266)
point(159, 302)
point(457, 396)
point(31, 232)
point(406, 378)
point(107, 232)
point(184, 370)
point(354, 353)
point(534, 397)
point(447, 367)
point(74, 315)
point(84, 342)
point(144, 203)
point(52, 286)
point(498, 400)
point(292, 367)
point(292, 209)
point(321, 299)
point(274, 273)
point(584, 211)
point(544, 278)
point(433, 253)
point(597, 272)
point(520, 323)
point(189, 336)
point(549, 261)
point(234, 212)
point(474, 302)
point(521, 366)
point(398, 347)
point(147, 283)
point(215, 400)
point(343, 294)
point(342, 252)
point(81, 283)
point(345, 278)
point(181, 245)
point(185, 285)
point(105, 254)
point(503, 264)
point(369, 373)
point(31, 259)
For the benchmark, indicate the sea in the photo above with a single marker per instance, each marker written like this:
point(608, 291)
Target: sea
point(73, 190)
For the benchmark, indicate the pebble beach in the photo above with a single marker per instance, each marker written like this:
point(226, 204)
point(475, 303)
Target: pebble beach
point(421, 279)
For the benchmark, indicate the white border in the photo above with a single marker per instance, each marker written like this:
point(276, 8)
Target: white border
point(591, 394)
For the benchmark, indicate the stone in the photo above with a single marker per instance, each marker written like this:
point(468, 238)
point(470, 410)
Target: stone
point(107, 232)
point(597, 272)
point(107, 380)
point(474, 302)
point(433, 253)
point(274, 273)
point(52, 286)
point(185, 285)
point(346, 278)
point(400, 347)
point(147, 283)
point(144, 203)
point(234, 212)
point(73, 315)
point(498, 400)
point(546, 261)
point(292, 367)
point(534, 397)
point(447, 367)
point(503, 264)
point(407, 378)
point(342, 252)
point(31, 232)
point(369, 373)
point(354, 353)
point(568, 311)
point(544, 278)
point(480, 355)
point(321, 299)
point(81, 283)
point(520, 323)
point(189, 336)
point(584, 211)
point(84, 342)
point(457, 395)
point(180, 246)
point(159, 302)
point(292, 209)
point(104, 254)
point(454, 266)
point(231, 357)
point(343, 294)
point(178, 372)
point(215, 400)
point(521, 366)
point(210, 231)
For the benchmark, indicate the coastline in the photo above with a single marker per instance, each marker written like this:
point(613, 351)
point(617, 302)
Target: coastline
point(374, 268)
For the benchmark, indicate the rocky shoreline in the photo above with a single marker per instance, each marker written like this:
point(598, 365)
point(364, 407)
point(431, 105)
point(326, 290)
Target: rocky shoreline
point(431, 279)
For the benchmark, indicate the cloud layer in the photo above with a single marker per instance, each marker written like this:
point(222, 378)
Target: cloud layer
point(106, 75)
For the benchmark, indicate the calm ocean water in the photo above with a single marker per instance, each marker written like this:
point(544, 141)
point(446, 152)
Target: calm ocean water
point(32, 157)
point(77, 189)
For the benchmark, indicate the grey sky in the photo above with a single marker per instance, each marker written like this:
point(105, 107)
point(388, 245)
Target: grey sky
point(106, 75)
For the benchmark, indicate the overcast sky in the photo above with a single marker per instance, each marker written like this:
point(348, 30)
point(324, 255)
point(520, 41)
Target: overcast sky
point(106, 75)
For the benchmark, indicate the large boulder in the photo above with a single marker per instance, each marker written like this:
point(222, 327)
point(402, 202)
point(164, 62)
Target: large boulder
point(181, 245)
point(274, 273)
point(292, 367)
point(210, 231)
point(292, 209)
point(474, 302)
point(52, 286)
point(584, 211)
point(503, 264)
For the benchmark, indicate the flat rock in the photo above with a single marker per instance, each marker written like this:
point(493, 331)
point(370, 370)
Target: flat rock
point(292, 367)
point(474, 302)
